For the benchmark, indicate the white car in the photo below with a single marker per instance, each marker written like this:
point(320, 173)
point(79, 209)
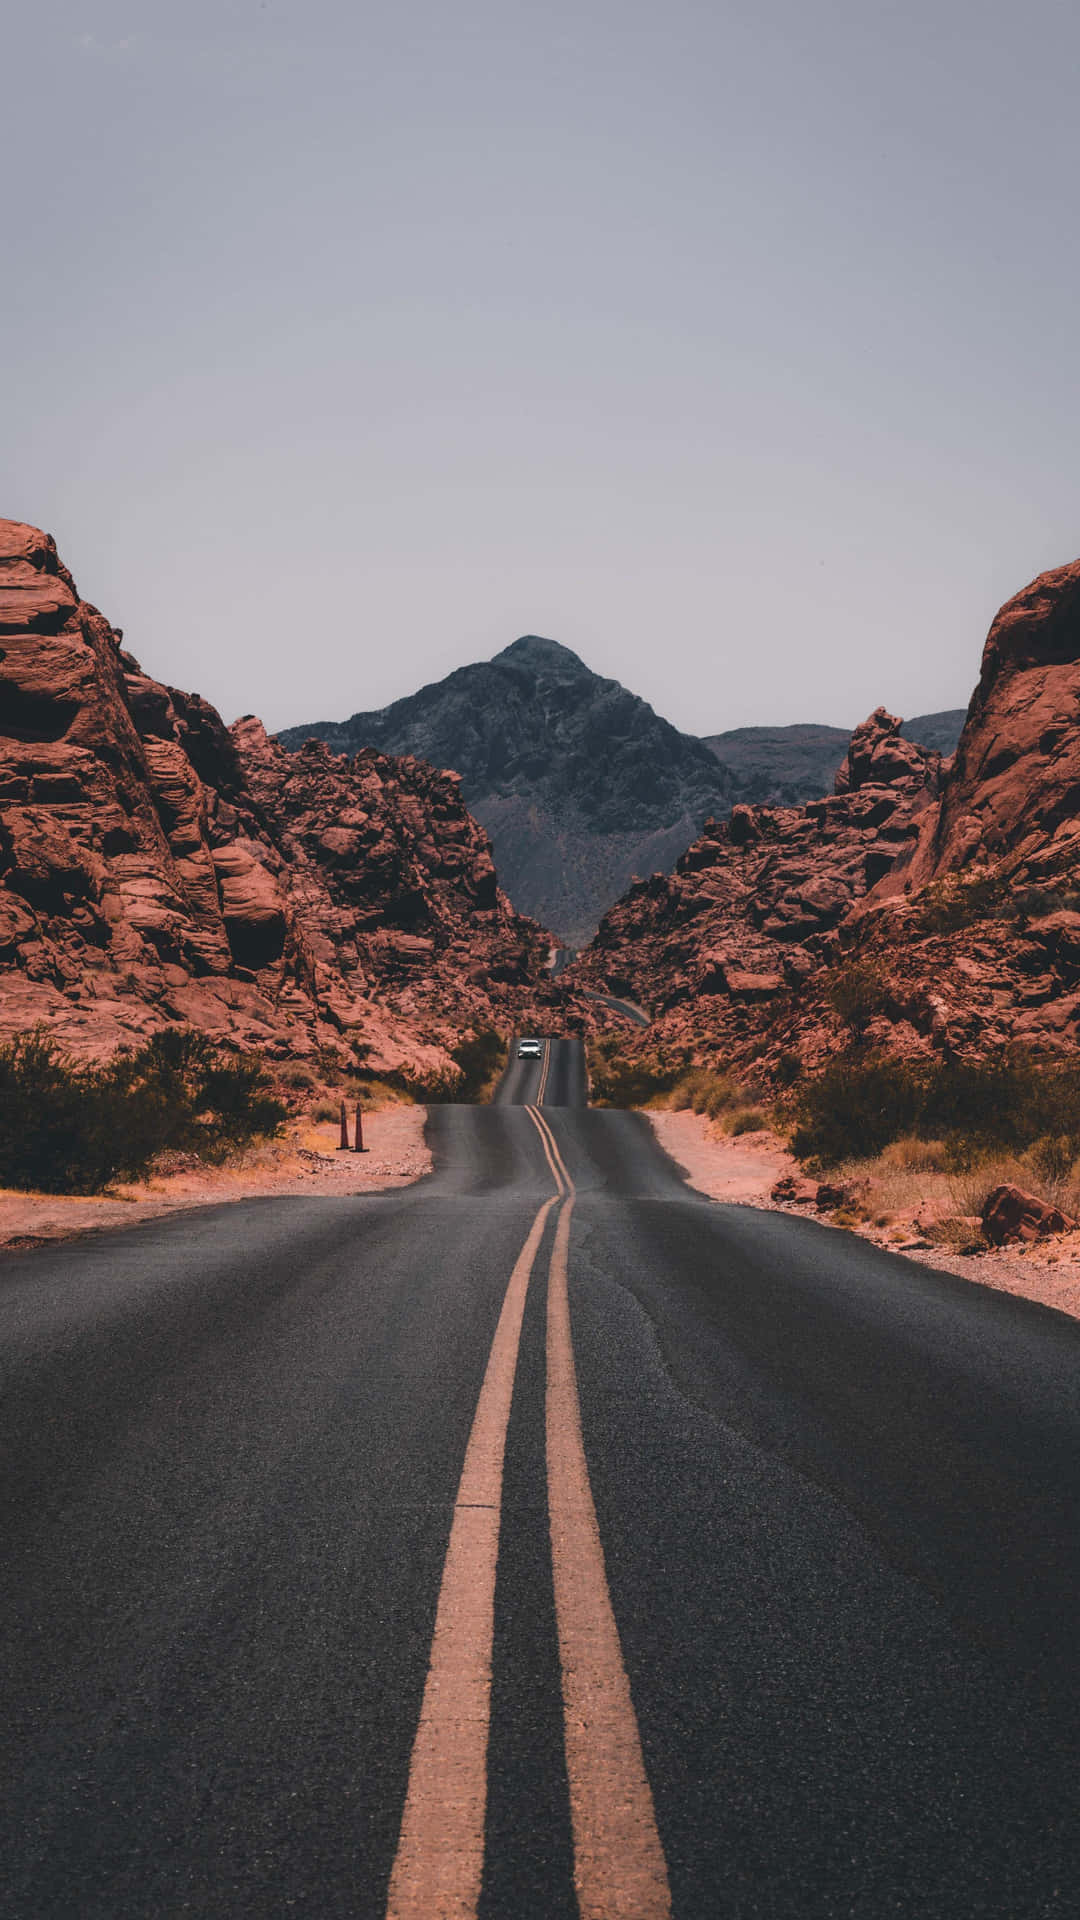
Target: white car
point(529, 1050)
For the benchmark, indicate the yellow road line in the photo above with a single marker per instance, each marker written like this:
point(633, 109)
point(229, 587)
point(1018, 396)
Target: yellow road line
point(547, 1141)
point(551, 1148)
point(544, 1074)
point(619, 1868)
point(440, 1856)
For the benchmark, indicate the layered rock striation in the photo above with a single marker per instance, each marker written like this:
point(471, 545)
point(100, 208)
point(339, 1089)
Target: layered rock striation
point(157, 867)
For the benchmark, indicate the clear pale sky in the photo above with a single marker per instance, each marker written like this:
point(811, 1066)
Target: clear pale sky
point(734, 345)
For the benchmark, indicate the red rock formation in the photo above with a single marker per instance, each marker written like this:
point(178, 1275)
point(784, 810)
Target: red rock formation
point(718, 948)
point(951, 892)
point(157, 867)
point(1012, 800)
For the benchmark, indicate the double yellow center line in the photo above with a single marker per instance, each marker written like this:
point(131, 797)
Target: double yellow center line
point(542, 1089)
point(619, 1867)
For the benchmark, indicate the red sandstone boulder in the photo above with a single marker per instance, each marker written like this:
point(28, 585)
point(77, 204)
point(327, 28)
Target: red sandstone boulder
point(1010, 1214)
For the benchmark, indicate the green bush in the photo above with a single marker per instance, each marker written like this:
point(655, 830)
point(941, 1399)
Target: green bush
point(68, 1128)
point(749, 1120)
point(861, 1104)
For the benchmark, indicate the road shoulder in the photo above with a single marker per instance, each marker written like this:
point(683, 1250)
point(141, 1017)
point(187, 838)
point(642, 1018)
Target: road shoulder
point(305, 1163)
point(742, 1171)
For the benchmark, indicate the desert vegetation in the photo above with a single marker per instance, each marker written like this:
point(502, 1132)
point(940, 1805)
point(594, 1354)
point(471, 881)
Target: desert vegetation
point(642, 1079)
point(863, 1103)
point(940, 1135)
point(478, 1061)
point(959, 900)
point(68, 1127)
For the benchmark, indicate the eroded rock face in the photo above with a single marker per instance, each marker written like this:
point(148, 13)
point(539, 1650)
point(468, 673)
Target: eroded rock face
point(1013, 795)
point(754, 906)
point(953, 887)
point(157, 867)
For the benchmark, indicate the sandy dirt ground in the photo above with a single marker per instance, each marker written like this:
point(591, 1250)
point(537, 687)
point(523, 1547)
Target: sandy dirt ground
point(305, 1161)
point(742, 1171)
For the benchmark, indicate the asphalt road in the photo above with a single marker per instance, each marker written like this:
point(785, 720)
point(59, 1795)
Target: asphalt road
point(836, 1495)
point(635, 1014)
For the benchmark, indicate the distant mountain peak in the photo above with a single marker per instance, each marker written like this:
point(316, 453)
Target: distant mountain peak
point(532, 650)
point(579, 783)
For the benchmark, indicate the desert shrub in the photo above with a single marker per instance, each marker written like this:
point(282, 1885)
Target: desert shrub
point(326, 1110)
point(845, 1217)
point(965, 1110)
point(298, 1079)
point(961, 900)
point(1033, 903)
point(704, 1091)
point(749, 1120)
point(1053, 1156)
point(858, 992)
point(956, 1234)
point(855, 1108)
point(70, 1128)
point(788, 1069)
point(481, 1058)
point(478, 1061)
point(909, 1154)
point(626, 1080)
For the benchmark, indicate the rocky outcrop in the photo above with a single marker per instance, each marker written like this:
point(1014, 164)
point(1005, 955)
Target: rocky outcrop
point(786, 766)
point(157, 867)
point(925, 907)
point(1012, 802)
point(716, 949)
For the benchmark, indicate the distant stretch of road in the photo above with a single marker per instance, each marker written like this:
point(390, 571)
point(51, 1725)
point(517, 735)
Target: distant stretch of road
point(557, 1079)
point(541, 1540)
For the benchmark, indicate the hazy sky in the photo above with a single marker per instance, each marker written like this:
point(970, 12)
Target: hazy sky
point(734, 345)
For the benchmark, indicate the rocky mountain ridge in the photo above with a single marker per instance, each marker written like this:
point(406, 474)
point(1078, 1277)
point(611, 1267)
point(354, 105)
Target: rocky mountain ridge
point(924, 906)
point(579, 782)
point(159, 868)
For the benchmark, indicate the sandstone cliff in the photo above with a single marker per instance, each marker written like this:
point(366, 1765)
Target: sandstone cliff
point(157, 867)
point(924, 907)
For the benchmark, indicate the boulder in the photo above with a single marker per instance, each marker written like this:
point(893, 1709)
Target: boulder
point(1010, 1214)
